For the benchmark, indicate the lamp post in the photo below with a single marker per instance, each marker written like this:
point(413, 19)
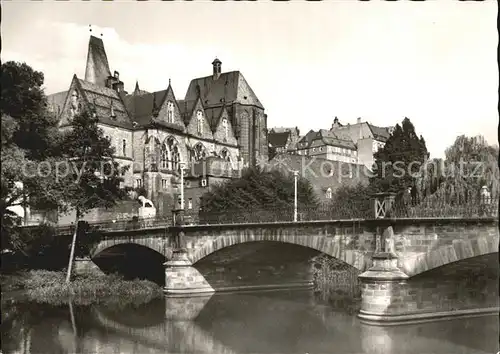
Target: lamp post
point(295, 174)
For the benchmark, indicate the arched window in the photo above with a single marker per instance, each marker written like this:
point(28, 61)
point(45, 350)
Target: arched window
point(199, 119)
point(329, 193)
point(199, 152)
point(170, 112)
point(164, 156)
point(225, 126)
point(173, 153)
point(176, 158)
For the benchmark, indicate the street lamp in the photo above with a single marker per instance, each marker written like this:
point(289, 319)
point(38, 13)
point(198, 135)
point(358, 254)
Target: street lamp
point(295, 174)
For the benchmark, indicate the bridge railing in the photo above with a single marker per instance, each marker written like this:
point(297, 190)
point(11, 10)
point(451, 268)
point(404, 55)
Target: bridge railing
point(471, 208)
point(119, 225)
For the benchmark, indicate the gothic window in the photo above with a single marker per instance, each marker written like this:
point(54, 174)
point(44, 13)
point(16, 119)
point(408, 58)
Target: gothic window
point(225, 126)
point(199, 152)
point(329, 193)
point(164, 157)
point(176, 159)
point(199, 119)
point(170, 112)
point(174, 156)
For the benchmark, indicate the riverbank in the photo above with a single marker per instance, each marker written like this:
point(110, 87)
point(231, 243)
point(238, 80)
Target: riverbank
point(50, 287)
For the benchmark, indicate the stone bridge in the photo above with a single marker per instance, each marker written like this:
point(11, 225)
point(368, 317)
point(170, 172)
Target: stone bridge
point(419, 244)
point(388, 252)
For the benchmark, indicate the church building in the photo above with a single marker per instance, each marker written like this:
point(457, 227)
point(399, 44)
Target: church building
point(218, 127)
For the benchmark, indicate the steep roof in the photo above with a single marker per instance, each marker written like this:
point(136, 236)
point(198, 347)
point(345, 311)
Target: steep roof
point(230, 87)
point(141, 106)
point(97, 69)
point(278, 140)
point(213, 116)
point(55, 101)
point(102, 99)
point(379, 133)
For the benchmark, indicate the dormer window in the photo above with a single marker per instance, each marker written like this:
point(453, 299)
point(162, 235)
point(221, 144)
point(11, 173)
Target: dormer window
point(199, 119)
point(170, 112)
point(225, 126)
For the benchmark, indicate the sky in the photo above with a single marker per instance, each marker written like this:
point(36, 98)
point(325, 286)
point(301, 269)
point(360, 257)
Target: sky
point(434, 62)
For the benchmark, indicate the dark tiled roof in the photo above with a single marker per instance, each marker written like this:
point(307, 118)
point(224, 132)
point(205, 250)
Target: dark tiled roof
point(140, 107)
point(213, 115)
point(230, 87)
point(278, 140)
point(379, 133)
point(102, 99)
point(186, 109)
point(56, 101)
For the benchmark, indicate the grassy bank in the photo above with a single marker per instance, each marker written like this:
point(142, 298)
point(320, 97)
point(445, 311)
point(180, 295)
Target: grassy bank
point(50, 287)
point(337, 283)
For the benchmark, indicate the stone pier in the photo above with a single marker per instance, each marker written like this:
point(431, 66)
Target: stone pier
point(181, 278)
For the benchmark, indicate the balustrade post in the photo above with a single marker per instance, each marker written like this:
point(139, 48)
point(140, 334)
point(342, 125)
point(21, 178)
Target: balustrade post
point(380, 284)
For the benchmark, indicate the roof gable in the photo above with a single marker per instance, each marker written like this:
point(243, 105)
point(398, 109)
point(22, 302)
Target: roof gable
point(66, 113)
point(177, 121)
point(192, 124)
point(220, 130)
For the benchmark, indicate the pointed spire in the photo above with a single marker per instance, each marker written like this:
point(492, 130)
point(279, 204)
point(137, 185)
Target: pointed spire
point(169, 82)
point(137, 90)
point(97, 69)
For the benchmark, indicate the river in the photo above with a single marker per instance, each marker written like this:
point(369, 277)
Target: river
point(265, 322)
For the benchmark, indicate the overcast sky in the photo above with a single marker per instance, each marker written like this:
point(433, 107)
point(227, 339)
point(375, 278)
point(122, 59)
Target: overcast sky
point(434, 62)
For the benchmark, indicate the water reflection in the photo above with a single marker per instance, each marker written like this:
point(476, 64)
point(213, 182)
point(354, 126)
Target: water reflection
point(269, 322)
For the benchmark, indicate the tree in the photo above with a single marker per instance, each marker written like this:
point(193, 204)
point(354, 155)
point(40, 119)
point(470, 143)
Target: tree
point(92, 179)
point(352, 201)
point(398, 163)
point(29, 135)
point(258, 191)
point(469, 164)
point(23, 99)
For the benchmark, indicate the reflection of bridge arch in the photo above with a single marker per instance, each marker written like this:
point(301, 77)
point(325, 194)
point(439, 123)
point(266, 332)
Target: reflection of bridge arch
point(331, 246)
point(166, 335)
point(459, 250)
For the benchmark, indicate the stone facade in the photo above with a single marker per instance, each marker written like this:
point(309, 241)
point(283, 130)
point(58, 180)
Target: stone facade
point(154, 133)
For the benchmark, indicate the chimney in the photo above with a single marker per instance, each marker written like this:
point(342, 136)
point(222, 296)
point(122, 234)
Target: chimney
point(359, 120)
point(217, 67)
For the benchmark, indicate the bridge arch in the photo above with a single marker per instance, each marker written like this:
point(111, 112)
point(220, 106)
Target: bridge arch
point(331, 246)
point(157, 244)
point(459, 250)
